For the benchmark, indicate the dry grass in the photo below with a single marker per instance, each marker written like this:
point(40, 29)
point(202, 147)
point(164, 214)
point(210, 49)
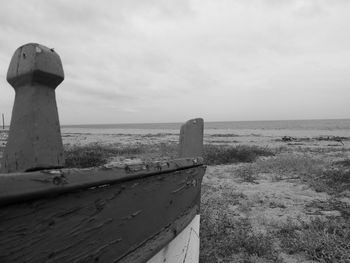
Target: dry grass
point(214, 154)
point(332, 180)
point(326, 241)
point(321, 175)
point(226, 238)
point(287, 164)
point(247, 173)
point(224, 135)
point(96, 155)
point(234, 239)
point(344, 162)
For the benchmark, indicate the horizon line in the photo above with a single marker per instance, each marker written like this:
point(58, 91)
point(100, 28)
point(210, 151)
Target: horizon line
point(131, 123)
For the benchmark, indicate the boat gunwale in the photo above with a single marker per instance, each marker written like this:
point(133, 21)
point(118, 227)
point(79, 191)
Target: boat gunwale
point(25, 186)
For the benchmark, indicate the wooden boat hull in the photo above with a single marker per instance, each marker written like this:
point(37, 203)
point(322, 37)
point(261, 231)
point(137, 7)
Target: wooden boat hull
point(106, 214)
point(183, 248)
point(128, 220)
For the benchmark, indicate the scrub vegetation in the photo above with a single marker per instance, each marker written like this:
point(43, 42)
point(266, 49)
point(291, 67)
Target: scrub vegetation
point(214, 154)
point(96, 154)
point(293, 206)
point(259, 205)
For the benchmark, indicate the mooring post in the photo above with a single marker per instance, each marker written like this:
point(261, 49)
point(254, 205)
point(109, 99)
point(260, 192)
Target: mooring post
point(34, 140)
point(191, 138)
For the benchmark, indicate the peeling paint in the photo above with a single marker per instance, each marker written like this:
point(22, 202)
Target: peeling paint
point(115, 222)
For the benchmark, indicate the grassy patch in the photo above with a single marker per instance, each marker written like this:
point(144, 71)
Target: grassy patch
point(324, 241)
point(233, 240)
point(165, 150)
point(320, 175)
point(290, 164)
point(225, 135)
point(157, 135)
point(345, 163)
point(214, 154)
point(96, 155)
point(247, 174)
point(333, 180)
point(229, 238)
point(333, 204)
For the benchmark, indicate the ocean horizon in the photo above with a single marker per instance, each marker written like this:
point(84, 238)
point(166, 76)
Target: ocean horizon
point(312, 124)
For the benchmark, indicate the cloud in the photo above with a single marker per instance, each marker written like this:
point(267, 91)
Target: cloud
point(162, 60)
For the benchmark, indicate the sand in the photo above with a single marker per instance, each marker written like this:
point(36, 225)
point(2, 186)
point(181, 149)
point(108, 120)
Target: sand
point(276, 199)
point(272, 199)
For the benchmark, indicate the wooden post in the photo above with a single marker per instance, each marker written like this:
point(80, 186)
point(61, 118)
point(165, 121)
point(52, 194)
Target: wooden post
point(34, 140)
point(191, 138)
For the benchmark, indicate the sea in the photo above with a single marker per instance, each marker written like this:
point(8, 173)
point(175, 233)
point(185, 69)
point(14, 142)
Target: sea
point(298, 128)
point(265, 133)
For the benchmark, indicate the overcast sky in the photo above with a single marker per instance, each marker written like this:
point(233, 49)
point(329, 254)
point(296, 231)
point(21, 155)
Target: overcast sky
point(168, 61)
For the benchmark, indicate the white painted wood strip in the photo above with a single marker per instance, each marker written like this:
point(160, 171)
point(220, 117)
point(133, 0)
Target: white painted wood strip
point(184, 248)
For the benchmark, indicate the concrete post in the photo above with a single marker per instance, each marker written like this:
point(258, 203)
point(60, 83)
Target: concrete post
point(34, 140)
point(191, 138)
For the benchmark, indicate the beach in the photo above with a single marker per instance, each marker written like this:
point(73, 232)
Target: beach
point(313, 133)
point(273, 206)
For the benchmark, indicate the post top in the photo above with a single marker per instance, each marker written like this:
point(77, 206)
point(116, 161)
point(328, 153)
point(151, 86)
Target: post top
point(35, 63)
point(197, 121)
point(191, 138)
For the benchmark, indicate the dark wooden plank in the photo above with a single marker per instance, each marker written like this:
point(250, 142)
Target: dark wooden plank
point(15, 187)
point(101, 224)
point(147, 250)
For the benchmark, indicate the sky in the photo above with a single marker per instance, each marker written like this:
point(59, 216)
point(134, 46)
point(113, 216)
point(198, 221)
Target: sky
point(128, 61)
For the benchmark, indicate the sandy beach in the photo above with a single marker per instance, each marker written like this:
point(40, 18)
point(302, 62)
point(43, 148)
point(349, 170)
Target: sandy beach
point(263, 197)
point(263, 137)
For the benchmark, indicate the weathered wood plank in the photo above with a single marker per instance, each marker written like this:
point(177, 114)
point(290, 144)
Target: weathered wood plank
point(183, 248)
point(34, 139)
point(162, 241)
point(102, 224)
point(191, 138)
point(15, 187)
